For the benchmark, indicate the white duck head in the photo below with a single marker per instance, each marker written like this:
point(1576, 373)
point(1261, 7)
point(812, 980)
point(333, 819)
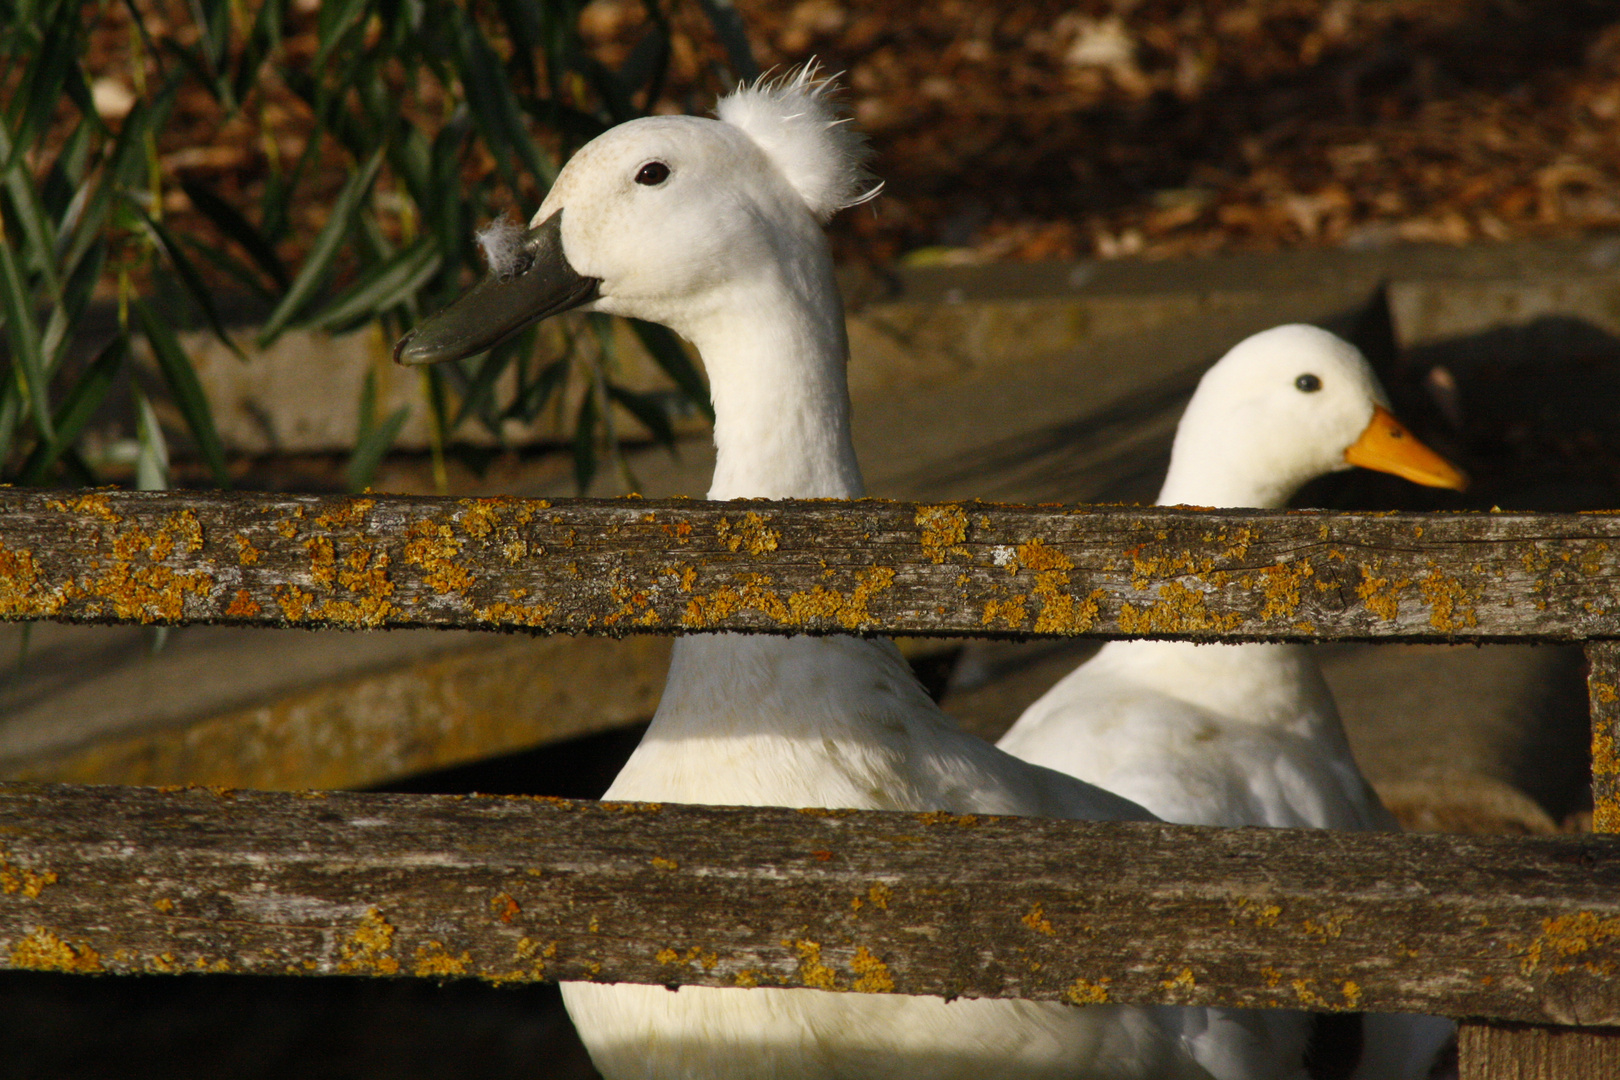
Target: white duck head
point(712, 228)
point(1280, 409)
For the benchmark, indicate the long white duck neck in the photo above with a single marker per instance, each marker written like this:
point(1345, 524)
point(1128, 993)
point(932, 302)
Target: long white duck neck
point(776, 352)
point(1270, 685)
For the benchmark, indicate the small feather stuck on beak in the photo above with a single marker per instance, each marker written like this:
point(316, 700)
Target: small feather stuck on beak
point(504, 249)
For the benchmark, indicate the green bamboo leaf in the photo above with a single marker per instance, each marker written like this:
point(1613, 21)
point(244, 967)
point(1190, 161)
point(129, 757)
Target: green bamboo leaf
point(648, 409)
point(728, 27)
point(43, 80)
point(200, 294)
point(477, 396)
point(374, 439)
point(76, 296)
point(38, 233)
point(668, 353)
point(188, 393)
point(585, 424)
point(229, 221)
point(324, 250)
point(152, 460)
point(495, 108)
point(28, 357)
point(528, 404)
point(381, 288)
point(337, 21)
point(76, 409)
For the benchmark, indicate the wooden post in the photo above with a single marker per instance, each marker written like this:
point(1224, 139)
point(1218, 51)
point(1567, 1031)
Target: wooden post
point(1533, 1052)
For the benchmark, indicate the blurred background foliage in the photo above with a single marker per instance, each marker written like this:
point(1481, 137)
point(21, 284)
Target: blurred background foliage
point(353, 148)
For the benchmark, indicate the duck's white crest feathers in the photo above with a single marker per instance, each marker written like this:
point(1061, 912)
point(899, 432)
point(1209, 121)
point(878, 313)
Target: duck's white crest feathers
point(792, 118)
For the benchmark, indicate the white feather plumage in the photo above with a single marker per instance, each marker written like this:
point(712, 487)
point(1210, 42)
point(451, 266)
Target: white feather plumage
point(792, 118)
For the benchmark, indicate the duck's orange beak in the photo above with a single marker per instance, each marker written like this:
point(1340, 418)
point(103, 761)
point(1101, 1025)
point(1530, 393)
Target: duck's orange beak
point(1387, 446)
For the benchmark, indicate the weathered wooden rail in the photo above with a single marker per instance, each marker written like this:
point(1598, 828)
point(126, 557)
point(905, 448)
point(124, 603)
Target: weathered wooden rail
point(1500, 931)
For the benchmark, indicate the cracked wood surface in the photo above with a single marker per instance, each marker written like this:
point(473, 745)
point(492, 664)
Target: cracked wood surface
point(631, 565)
point(107, 879)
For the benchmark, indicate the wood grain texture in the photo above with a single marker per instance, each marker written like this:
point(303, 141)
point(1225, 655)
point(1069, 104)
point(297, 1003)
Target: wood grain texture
point(625, 566)
point(107, 879)
point(1529, 1052)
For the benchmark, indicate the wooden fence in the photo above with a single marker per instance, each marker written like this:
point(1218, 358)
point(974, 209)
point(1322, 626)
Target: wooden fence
point(1519, 937)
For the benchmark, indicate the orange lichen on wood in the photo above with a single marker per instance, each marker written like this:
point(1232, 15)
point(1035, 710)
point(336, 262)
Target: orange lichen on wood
point(750, 534)
point(367, 950)
point(42, 950)
point(944, 528)
point(433, 546)
point(871, 974)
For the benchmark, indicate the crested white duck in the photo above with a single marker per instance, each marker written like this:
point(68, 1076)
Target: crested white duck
point(712, 228)
point(1246, 734)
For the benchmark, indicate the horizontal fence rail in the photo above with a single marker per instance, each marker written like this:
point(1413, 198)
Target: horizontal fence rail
point(514, 889)
point(628, 565)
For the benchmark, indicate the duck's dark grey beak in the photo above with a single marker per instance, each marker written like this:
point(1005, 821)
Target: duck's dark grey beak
point(498, 307)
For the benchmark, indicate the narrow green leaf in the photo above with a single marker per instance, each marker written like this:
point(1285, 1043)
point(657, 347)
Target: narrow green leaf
point(76, 409)
point(26, 349)
point(648, 409)
point(585, 443)
point(534, 398)
point(26, 207)
point(152, 460)
point(668, 353)
point(229, 221)
point(188, 393)
point(200, 294)
point(375, 440)
point(324, 250)
point(381, 288)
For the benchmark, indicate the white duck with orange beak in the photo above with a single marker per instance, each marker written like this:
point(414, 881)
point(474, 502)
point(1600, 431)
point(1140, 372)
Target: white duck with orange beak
point(1246, 734)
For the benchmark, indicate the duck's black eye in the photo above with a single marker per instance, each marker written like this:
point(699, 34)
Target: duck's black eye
point(1308, 384)
point(653, 173)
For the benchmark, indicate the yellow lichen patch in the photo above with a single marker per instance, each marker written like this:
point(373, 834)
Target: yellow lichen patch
point(293, 602)
point(1086, 992)
point(693, 955)
point(288, 526)
point(504, 907)
point(871, 974)
point(1272, 976)
point(18, 879)
point(1035, 918)
point(246, 553)
point(1180, 610)
point(19, 585)
point(44, 951)
point(1449, 606)
point(164, 904)
point(944, 528)
point(1307, 996)
point(148, 593)
point(534, 954)
point(322, 560)
point(747, 977)
point(945, 817)
point(1012, 612)
point(1060, 613)
point(751, 534)
point(184, 527)
point(480, 517)
point(433, 959)
point(661, 863)
point(1262, 915)
point(879, 894)
point(1280, 584)
point(1146, 567)
point(351, 513)
point(242, 606)
point(1352, 994)
point(1569, 935)
point(366, 951)
point(1331, 926)
point(1183, 981)
point(812, 972)
point(516, 614)
point(850, 611)
point(433, 546)
point(94, 504)
point(1380, 595)
point(719, 604)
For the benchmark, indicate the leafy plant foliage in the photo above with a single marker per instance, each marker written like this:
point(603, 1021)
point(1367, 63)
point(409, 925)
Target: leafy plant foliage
point(443, 115)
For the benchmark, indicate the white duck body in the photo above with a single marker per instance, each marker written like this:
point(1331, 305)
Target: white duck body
point(1245, 734)
point(720, 241)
